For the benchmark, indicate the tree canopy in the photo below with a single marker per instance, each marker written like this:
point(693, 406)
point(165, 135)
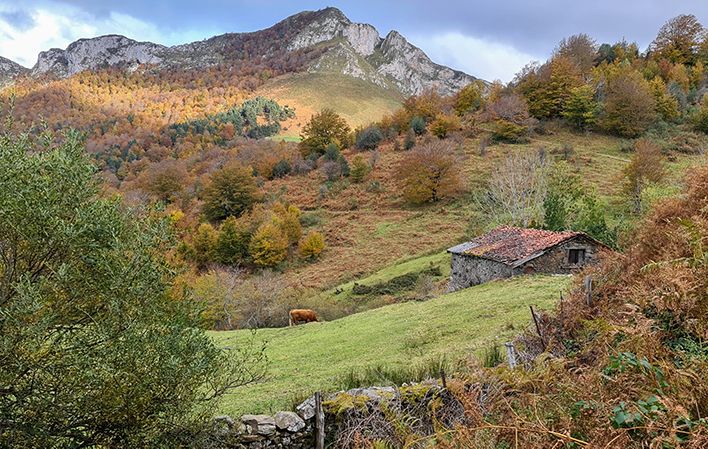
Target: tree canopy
point(95, 348)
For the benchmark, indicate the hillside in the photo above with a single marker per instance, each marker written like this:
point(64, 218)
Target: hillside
point(316, 356)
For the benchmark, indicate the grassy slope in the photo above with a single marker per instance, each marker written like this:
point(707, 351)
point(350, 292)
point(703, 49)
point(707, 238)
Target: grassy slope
point(367, 230)
point(317, 355)
point(359, 102)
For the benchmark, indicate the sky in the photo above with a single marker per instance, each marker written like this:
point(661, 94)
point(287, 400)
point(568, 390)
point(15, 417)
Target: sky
point(488, 39)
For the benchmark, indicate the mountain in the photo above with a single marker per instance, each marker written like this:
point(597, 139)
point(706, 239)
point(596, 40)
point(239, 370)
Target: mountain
point(320, 42)
point(9, 70)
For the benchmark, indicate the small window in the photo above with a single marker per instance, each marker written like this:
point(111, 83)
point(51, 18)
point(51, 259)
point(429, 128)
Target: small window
point(576, 256)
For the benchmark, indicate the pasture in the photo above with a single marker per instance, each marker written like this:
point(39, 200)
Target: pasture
point(319, 356)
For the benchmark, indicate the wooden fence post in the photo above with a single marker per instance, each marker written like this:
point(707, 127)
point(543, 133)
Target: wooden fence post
point(538, 327)
point(510, 355)
point(587, 283)
point(443, 378)
point(319, 422)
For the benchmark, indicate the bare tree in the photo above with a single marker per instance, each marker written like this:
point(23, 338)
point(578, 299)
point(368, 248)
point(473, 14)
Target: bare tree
point(518, 187)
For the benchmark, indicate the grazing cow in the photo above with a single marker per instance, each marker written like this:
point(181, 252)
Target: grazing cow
point(299, 316)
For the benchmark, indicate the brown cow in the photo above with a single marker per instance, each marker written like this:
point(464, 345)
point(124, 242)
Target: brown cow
point(298, 316)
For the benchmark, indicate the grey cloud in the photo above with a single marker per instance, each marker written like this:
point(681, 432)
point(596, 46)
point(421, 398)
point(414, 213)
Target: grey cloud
point(19, 19)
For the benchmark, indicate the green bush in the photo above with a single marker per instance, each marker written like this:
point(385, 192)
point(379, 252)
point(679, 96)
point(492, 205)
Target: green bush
point(369, 138)
point(418, 125)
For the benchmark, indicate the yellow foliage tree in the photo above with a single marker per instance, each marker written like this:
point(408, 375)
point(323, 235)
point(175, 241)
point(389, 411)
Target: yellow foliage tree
point(269, 245)
point(287, 218)
point(312, 245)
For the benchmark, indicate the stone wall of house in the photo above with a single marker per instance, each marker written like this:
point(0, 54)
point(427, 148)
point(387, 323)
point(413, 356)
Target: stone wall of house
point(470, 270)
point(555, 261)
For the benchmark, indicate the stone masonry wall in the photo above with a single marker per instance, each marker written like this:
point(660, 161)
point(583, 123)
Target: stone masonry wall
point(469, 270)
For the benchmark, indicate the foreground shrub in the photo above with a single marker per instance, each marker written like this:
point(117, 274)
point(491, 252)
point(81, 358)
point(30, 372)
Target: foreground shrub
point(96, 351)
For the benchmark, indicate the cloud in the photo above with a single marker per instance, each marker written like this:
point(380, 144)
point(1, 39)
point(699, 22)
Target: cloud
point(479, 57)
point(28, 31)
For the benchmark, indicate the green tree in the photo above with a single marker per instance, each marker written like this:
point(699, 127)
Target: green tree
point(359, 169)
point(231, 246)
point(469, 98)
point(666, 106)
point(95, 349)
point(231, 191)
point(325, 128)
point(581, 107)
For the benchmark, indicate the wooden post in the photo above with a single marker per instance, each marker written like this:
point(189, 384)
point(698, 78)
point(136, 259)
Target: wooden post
point(538, 327)
point(319, 422)
point(443, 378)
point(588, 290)
point(510, 355)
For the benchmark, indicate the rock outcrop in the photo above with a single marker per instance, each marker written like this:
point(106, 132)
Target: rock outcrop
point(96, 53)
point(9, 71)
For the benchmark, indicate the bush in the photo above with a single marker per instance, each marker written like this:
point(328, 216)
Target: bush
point(409, 141)
point(369, 138)
point(418, 125)
point(359, 169)
point(312, 245)
point(281, 169)
point(444, 125)
point(506, 131)
point(700, 118)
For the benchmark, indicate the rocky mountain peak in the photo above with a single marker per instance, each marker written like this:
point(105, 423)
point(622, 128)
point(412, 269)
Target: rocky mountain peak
point(343, 47)
point(94, 53)
point(9, 70)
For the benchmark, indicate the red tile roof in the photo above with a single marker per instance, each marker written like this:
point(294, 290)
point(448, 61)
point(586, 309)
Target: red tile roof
point(510, 245)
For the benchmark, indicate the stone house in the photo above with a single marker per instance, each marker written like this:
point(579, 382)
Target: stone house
point(508, 251)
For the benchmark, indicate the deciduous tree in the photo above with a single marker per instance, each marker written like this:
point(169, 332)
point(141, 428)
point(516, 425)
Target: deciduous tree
point(429, 173)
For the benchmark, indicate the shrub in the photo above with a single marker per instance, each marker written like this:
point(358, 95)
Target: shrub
point(369, 138)
point(312, 245)
point(409, 141)
point(281, 169)
point(269, 245)
point(418, 125)
point(359, 169)
point(700, 118)
point(444, 125)
point(506, 131)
